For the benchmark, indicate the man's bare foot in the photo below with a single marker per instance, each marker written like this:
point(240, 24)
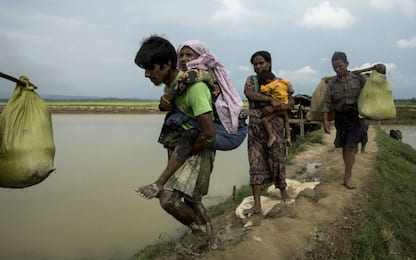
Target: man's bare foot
point(284, 195)
point(271, 141)
point(349, 185)
point(252, 211)
point(149, 191)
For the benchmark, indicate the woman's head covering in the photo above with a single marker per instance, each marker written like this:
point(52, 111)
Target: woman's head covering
point(229, 104)
point(205, 60)
point(196, 45)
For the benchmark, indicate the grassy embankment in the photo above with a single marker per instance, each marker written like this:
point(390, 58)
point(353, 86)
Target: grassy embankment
point(104, 106)
point(109, 106)
point(381, 223)
point(388, 230)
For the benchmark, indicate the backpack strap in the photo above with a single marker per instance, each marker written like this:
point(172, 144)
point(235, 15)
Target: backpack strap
point(256, 83)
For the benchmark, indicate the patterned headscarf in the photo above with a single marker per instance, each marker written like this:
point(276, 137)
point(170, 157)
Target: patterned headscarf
point(228, 104)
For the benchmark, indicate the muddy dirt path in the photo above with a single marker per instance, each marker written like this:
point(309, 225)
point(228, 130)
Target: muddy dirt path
point(288, 231)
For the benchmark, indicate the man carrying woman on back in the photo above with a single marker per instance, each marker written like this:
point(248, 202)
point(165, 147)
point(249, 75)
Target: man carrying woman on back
point(185, 180)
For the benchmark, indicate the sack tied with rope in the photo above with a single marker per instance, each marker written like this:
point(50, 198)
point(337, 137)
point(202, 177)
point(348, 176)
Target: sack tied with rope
point(27, 148)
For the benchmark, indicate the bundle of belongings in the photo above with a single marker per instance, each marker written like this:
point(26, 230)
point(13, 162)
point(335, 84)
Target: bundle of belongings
point(27, 148)
point(317, 101)
point(375, 101)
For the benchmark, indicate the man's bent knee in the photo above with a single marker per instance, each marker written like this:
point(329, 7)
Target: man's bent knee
point(169, 200)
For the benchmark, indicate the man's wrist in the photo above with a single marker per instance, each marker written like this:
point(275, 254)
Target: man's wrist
point(207, 140)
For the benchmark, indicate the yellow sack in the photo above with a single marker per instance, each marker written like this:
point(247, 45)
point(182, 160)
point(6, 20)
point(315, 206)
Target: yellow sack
point(376, 98)
point(317, 102)
point(27, 149)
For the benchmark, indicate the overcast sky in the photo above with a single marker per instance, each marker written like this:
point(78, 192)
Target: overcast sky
point(87, 48)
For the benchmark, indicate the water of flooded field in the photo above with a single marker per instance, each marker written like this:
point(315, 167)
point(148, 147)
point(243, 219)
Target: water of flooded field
point(88, 209)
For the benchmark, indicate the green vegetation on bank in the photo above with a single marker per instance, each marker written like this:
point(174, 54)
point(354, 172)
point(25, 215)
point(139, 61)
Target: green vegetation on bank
point(383, 220)
point(99, 102)
point(390, 228)
point(121, 103)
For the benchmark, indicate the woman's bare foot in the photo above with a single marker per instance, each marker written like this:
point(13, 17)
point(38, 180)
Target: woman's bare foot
point(251, 211)
point(149, 191)
point(284, 195)
point(271, 141)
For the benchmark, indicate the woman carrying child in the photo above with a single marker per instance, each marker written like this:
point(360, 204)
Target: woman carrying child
point(279, 89)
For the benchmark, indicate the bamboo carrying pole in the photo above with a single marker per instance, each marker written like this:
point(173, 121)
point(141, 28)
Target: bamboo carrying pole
point(17, 81)
point(358, 71)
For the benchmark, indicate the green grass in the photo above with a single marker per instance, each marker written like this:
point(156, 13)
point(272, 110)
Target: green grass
point(157, 249)
point(390, 231)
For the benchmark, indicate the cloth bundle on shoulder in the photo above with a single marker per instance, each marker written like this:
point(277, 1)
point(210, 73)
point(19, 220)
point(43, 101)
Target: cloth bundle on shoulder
point(376, 99)
point(317, 101)
point(27, 148)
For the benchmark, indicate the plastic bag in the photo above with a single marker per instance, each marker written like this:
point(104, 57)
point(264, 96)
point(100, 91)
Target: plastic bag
point(376, 98)
point(317, 102)
point(27, 148)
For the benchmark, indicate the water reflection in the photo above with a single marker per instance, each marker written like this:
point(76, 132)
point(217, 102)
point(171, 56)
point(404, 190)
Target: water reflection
point(88, 208)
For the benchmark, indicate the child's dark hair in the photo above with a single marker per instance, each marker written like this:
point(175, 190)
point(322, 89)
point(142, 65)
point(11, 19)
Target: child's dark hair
point(156, 50)
point(265, 76)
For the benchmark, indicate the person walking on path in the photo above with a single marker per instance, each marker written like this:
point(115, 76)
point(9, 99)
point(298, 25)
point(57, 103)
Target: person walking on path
point(267, 164)
point(180, 192)
point(342, 95)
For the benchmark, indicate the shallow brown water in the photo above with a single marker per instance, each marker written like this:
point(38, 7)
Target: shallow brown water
point(88, 209)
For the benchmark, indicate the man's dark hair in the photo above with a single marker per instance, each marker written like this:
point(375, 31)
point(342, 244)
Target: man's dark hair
point(265, 76)
point(265, 54)
point(339, 55)
point(156, 50)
